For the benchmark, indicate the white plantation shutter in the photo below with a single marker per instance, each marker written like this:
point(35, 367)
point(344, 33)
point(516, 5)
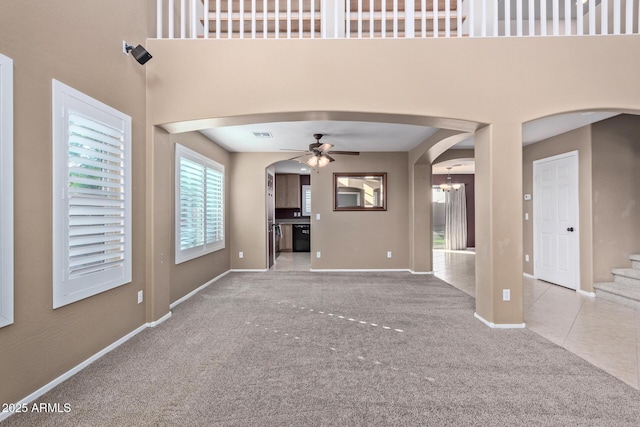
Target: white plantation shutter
point(92, 196)
point(199, 205)
point(6, 191)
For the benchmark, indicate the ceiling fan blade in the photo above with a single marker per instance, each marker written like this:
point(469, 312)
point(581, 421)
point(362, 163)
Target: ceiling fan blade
point(349, 153)
point(331, 159)
point(325, 147)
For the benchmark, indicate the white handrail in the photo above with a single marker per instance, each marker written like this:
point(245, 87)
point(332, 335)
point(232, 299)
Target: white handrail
point(217, 19)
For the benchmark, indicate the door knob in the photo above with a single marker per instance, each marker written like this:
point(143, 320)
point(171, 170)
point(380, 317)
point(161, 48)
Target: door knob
point(570, 229)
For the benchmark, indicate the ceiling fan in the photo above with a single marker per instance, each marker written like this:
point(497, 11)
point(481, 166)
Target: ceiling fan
point(319, 153)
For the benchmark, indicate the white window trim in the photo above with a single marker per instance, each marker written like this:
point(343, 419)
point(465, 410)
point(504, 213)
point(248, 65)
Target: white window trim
point(67, 290)
point(306, 207)
point(183, 255)
point(6, 191)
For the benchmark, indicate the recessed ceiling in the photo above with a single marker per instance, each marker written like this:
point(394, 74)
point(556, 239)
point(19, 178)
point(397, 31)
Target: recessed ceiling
point(297, 135)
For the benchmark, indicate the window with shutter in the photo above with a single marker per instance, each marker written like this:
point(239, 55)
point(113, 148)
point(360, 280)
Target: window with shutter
point(306, 200)
point(199, 205)
point(6, 191)
point(92, 196)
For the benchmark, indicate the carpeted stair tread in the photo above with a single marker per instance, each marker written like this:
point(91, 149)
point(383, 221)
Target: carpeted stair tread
point(634, 257)
point(632, 273)
point(620, 289)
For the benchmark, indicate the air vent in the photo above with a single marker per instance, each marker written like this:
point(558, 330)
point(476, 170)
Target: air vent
point(262, 134)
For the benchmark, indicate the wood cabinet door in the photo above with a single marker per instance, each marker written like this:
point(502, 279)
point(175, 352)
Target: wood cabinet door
point(288, 191)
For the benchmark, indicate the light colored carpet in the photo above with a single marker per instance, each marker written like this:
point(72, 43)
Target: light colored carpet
point(337, 349)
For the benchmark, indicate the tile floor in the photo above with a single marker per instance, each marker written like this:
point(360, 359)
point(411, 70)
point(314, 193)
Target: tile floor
point(601, 332)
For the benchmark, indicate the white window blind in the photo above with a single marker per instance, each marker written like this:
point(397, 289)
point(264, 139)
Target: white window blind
point(306, 200)
point(199, 205)
point(92, 196)
point(6, 191)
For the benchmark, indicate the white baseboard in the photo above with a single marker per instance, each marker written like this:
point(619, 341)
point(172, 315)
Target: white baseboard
point(359, 270)
point(585, 293)
point(499, 325)
point(530, 276)
point(421, 272)
point(195, 291)
point(71, 372)
point(248, 270)
point(160, 320)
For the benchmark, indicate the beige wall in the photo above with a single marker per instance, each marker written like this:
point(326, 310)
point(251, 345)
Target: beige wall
point(80, 44)
point(616, 194)
point(360, 240)
point(577, 140)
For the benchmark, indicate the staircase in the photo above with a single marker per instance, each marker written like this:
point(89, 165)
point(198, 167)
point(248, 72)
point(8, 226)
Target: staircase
point(625, 288)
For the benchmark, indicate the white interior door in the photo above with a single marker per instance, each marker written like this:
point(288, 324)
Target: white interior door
point(555, 207)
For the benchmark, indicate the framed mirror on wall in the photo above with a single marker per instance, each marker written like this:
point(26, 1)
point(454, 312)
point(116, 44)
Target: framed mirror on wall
point(359, 191)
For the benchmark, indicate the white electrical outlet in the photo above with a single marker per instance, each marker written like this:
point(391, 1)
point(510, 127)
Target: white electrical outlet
point(506, 295)
point(388, 254)
point(526, 257)
point(140, 297)
point(124, 47)
point(318, 254)
point(526, 216)
point(317, 217)
point(240, 254)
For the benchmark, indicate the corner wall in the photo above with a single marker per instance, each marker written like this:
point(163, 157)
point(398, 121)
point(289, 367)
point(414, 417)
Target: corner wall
point(80, 44)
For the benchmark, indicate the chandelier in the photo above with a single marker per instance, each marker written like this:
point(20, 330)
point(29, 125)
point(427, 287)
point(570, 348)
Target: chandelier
point(448, 186)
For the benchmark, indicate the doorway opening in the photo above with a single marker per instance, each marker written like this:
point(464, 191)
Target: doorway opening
point(289, 216)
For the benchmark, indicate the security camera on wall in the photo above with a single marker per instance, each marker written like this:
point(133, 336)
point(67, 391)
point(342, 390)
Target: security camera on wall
point(139, 53)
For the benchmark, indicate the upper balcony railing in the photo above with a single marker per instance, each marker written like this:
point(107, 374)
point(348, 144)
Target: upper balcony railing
point(226, 19)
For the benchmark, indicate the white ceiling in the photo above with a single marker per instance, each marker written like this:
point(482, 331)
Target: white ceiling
point(373, 136)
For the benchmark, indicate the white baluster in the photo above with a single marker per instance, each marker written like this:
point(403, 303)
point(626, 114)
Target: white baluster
point(472, 19)
point(567, 17)
point(447, 18)
point(483, 29)
point(193, 19)
point(371, 19)
point(543, 18)
point(277, 16)
point(617, 18)
point(628, 29)
point(604, 15)
point(579, 18)
point(300, 22)
point(254, 19)
point(495, 19)
point(206, 18)
point(507, 18)
point(348, 20)
point(359, 19)
point(459, 17)
point(383, 24)
point(436, 21)
point(159, 19)
point(313, 19)
point(409, 19)
point(183, 19)
point(395, 19)
point(229, 19)
point(592, 17)
point(265, 21)
point(288, 19)
point(519, 18)
point(532, 18)
point(556, 18)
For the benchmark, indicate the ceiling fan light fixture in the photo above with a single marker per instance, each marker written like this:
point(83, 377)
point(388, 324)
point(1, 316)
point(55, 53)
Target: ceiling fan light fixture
point(323, 161)
point(313, 161)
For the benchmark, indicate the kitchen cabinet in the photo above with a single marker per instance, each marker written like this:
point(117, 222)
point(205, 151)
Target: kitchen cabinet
point(286, 239)
point(287, 191)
